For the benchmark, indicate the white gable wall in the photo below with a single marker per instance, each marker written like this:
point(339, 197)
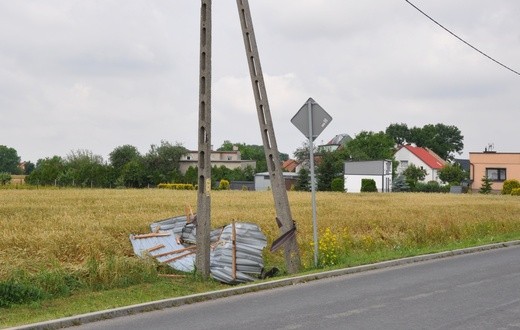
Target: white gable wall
point(378, 170)
point(404, 154)
point(353, 182)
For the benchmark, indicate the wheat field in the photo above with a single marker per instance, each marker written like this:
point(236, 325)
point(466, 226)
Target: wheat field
point(42, 229)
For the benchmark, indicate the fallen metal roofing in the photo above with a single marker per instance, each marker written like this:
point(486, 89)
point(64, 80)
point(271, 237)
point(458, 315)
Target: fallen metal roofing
point(235, 254)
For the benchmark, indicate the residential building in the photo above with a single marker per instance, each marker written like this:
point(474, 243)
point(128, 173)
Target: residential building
point(335, 143)
point(422, 158)
point(229, 159)
point(497, 166)
point(378, 170)
point(290, 165)
point(263, 181)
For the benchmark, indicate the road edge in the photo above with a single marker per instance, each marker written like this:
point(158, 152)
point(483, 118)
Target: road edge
point(179, 301)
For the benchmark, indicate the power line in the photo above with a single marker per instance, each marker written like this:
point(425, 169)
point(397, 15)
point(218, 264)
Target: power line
point(464, 41)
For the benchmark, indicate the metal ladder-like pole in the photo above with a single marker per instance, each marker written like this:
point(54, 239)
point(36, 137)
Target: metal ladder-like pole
point(274, 164)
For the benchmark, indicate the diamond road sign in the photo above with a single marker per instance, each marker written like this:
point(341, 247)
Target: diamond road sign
point(318, 116)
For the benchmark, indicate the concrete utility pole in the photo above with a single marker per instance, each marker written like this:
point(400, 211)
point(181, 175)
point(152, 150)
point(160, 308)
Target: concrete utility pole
point(274, 164)
point(202, 262)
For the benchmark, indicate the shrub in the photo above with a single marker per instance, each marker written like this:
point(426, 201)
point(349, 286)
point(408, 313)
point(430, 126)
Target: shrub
point(176, 186)
point(223, 185)
point(431, 187)
point(303, 182)
point(485, 188)
point(337, 185)
point(368, 185)
point(509, 185)
point(399, 184)
point(5, 178)
point(515, 192)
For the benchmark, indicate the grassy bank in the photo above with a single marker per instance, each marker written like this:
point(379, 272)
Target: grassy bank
point(71, 246)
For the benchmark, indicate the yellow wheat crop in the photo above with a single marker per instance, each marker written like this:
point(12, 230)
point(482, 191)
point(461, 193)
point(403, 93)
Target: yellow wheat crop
point(44, 228)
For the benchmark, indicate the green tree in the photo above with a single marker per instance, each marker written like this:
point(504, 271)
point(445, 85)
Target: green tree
point(442, 139)
point(191, 175)
point(5, 178)
point(399, 184)
point(414, 174)
point(303, 182)
point(329, 167)
point(249, 173)
point(162, 162)
point(132, 174)
point(219, 173)
point(338, 184)
point(399, 133)
point(28, 167)
point(302, 154)
point(128, 166)
point(67, 178)
point(9, 160)
point(122, 155)
point(452, 174)
point(485, 188)
point(369, 146)
point(46, 171)
point(88, 169)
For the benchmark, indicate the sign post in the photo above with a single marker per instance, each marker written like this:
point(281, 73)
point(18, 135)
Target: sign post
point(311, 120)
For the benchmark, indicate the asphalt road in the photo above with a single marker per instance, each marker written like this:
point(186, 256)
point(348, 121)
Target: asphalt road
point(473, 291)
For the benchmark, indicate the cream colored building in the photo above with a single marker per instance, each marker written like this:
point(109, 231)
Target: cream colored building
point(229, 159)
point(497, 166)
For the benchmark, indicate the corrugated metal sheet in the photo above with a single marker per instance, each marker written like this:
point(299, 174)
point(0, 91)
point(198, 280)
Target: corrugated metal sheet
point(173, 241)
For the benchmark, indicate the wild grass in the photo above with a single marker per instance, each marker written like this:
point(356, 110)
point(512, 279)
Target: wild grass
point(69, 243)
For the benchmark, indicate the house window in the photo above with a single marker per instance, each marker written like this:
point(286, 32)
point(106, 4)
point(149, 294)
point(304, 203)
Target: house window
point(496, 174)
point(229, 158)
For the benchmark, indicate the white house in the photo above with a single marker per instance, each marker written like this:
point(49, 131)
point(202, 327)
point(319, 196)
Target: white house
point(422, 158)
point(378, 170)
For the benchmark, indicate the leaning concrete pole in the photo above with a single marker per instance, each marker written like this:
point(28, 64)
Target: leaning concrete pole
point(204, 183)
point(274, 164)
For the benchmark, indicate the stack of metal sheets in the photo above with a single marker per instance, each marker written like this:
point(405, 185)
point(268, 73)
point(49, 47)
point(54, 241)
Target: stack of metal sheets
point(173, 241)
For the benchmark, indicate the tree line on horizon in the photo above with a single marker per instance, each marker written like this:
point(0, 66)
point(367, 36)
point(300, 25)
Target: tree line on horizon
point(126, 167)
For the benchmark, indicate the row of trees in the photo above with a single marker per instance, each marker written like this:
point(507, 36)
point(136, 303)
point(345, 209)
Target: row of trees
point(126, 167)
point(444, 140)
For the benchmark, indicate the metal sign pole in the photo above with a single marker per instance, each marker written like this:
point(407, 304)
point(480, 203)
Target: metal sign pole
point(311, 120)
point(313, 184)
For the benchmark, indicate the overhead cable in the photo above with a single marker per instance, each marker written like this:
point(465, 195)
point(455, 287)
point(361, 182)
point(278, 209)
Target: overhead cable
point(464, 41)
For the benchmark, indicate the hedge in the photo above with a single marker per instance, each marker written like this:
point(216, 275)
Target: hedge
point(176, 186)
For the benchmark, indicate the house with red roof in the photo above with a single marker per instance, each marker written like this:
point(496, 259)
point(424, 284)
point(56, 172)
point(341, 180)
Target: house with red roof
point(290, 165)
point(422, 158)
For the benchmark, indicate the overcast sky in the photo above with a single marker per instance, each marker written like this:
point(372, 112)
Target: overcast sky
point(98, 74)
